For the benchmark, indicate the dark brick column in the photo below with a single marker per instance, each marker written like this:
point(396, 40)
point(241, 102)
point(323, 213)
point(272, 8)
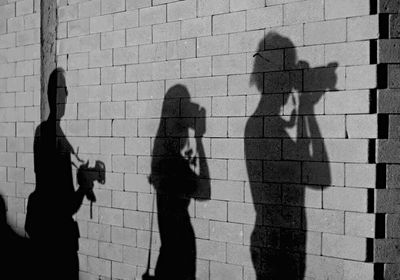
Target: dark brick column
point(387, 196)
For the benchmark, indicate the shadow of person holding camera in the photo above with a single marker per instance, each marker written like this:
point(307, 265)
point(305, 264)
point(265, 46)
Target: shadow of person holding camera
point(49, 222)
point(291, 159)
point(179, 172)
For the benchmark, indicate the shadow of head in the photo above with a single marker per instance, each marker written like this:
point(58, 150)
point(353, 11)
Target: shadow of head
point(277, 69)
point(57, 93)
point(189, 116)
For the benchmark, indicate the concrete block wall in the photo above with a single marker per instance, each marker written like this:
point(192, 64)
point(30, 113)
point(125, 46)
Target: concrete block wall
point(19, 103)
point(273, 193)
point(386, 204)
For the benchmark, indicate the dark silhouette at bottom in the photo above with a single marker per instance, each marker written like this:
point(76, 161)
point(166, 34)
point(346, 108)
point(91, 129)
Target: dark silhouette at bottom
point(15, 250)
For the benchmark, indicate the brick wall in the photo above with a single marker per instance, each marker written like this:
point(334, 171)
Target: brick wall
point(386, 246)
point(19, 103)
point(289, 92)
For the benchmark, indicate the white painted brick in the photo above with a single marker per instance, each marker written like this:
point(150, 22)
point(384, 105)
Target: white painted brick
point(123, 236)
point(25, 68)
point(122, 92)
point(112, 110)
point(112, 6)
point(139, 72)
point(229, 64)
point(347, 102)
point(124, 200)
point(7, 11)
point(113, 39)
point(264, 17)
point(196, 67)
point(342, 246)
point(101, 24)
point(360, 224)
point(137, 4)
point(181, 49)
point(124, 164)
point(77, 61)
point(89, 111)
point(302, 12)
point(15, 24)
point(166, 70)
point(153, 52)
point(362, 126)
point(363, 28)
point(361, 77)
point(126, 20)
point(110, 251)
point(212, 7)
point(100, 58)
point(99, 232)
point(181, 10)
point(7, 40)
point(325, 32)
point(344, 9)
point(245, 41)
point(151, 90)
point(323, 220)
point(138, 36)
point(78, 27)
point(89, 77)
point(228, 106)
point(229, 23)
point(237, 5)
point(212, 45)
point(99, 266)
point(137, 146)
point(339, 198)
point(113, 75)
point(136, 220)
point(110, 216)
point(166, 32)
point(99, 128)
point(344, 54)
point(89, 9)
point(196, 27)
point(360, 175)
point(127, 55)
point(152, 15)
point(68, 13)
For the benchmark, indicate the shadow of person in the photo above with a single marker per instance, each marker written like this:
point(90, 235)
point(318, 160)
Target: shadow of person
point(293, 158)
point(49, 222)
point(175, 163)
point(15, 249)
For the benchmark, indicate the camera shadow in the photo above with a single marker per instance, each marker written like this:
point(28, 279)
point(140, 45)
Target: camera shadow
point(285, 157)
point(179, 172)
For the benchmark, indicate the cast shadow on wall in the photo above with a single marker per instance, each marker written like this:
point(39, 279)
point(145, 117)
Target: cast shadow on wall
point(49, 222)
point(179, 172)
point(15, 250)
point(281, 165)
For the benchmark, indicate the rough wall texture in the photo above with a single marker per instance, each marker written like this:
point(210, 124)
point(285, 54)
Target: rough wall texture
point(19, 102)
point(387, 194)
point(289, 95)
